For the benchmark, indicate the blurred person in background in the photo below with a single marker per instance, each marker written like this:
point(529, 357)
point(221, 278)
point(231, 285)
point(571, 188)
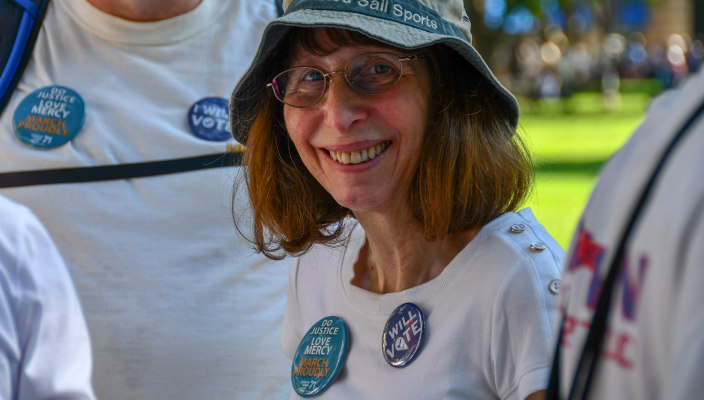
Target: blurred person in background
point(631, 297)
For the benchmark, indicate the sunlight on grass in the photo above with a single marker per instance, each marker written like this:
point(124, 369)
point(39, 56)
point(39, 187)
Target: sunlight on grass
point(558, 201)
point(570, 142)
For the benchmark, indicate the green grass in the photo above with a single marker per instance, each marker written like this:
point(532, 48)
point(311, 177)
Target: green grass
point(570, 142)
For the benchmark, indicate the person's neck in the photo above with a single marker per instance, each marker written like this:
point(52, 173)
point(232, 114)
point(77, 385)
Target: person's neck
point(145, 10)
point(397, 256)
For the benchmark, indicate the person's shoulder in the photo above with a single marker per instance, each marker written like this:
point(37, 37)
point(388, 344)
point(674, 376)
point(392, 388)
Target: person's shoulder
point(688, 92)
point(672, 107)
point(25, 246)
point(8, 206)
point(516, 237)
point(14, 215)
point(625, 174)
point(520, 263)
point(515, 252)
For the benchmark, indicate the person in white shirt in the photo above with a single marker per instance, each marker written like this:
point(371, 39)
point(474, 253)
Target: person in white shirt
point(632, 326)
point(177, 304)
point(383, 152)
point(44, 345)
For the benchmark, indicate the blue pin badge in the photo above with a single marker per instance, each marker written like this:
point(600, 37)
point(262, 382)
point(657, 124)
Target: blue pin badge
point(208, 119)
point(49, 117)
point(320, 357)
point(403, 335)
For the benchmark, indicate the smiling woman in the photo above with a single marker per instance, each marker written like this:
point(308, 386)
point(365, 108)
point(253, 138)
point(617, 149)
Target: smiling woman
point(369, 114)
point(348, 123)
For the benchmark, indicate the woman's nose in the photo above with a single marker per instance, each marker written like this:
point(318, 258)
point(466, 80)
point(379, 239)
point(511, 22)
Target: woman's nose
point(342, 105)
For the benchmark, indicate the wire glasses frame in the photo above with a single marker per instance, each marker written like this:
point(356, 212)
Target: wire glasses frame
point(368, 73)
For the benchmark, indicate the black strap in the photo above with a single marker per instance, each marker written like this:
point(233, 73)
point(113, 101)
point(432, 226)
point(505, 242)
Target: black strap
point(118, 171)
point(595, 338)
point(20, 21)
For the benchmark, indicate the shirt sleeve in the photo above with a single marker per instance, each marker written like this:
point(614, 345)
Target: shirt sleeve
point(523, 328)
point(45, 345)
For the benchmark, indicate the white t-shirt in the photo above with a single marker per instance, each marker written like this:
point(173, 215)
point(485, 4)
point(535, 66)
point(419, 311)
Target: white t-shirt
point(654, 347)
point(177, 303)
point(488, 315)
point(44, 345)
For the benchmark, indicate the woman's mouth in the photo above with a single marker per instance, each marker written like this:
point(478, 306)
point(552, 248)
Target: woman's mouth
point(358, 156)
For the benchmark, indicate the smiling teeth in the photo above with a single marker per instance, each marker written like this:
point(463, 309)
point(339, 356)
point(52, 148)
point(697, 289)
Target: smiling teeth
point(358, 157)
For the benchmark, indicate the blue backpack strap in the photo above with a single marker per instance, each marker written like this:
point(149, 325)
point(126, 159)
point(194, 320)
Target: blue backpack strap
point(279, 6)
point(20, 21)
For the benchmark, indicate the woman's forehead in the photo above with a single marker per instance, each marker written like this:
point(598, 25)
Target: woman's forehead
point(325, 41)
point(339, 56)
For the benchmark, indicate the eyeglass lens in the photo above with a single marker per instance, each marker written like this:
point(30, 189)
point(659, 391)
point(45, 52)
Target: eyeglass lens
point(370, 73)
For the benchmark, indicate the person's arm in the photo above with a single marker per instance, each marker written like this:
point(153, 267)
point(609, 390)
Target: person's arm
point(52, 339)
point(522, 338)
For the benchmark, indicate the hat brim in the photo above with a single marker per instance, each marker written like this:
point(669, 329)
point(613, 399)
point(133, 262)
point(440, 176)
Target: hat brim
point(245, 95)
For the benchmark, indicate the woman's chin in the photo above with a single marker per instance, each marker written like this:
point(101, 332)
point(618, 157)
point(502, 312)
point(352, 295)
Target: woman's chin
point(357, 202)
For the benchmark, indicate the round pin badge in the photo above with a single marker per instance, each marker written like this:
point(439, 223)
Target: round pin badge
point(49, 117)
point(208, 119)
point(403, 335)
point(320, 357)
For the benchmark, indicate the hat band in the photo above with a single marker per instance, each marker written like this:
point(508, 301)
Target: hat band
point(409, 13)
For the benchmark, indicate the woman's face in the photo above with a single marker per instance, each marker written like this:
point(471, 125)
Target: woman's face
point(335, 135)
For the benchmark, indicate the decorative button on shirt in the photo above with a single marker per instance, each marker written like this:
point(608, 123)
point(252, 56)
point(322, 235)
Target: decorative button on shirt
point(518, 228)
point(538, 246)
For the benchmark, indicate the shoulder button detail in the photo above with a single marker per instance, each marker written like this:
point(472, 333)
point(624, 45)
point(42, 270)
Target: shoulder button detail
point(518, 228)
point(538, 246)
point(554, 286)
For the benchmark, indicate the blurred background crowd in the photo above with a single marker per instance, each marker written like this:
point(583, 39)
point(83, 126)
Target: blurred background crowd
point(553, 48)
point(584, 72)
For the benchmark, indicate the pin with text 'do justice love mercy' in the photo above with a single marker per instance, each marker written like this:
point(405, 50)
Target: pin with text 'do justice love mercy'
point(320, 357)
point(49, 117)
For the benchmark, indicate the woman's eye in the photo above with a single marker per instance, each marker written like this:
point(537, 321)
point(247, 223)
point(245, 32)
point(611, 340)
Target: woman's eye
point(381, 68)
point(312, 76)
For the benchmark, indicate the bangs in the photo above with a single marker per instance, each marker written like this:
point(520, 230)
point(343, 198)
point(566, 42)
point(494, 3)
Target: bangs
point(313, 40)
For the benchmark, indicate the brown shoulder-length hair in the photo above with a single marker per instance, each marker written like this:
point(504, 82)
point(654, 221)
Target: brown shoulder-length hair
point(473, 166)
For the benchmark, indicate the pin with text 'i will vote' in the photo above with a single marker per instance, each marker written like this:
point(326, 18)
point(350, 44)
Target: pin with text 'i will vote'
point(208, 119)
point(320, 357)
point(403, 335)
point(49, 117)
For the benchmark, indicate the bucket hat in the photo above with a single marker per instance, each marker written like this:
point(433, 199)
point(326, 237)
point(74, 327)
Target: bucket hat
point(406, 24)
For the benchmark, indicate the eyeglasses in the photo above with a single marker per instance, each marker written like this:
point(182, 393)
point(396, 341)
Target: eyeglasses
point(369, 73)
